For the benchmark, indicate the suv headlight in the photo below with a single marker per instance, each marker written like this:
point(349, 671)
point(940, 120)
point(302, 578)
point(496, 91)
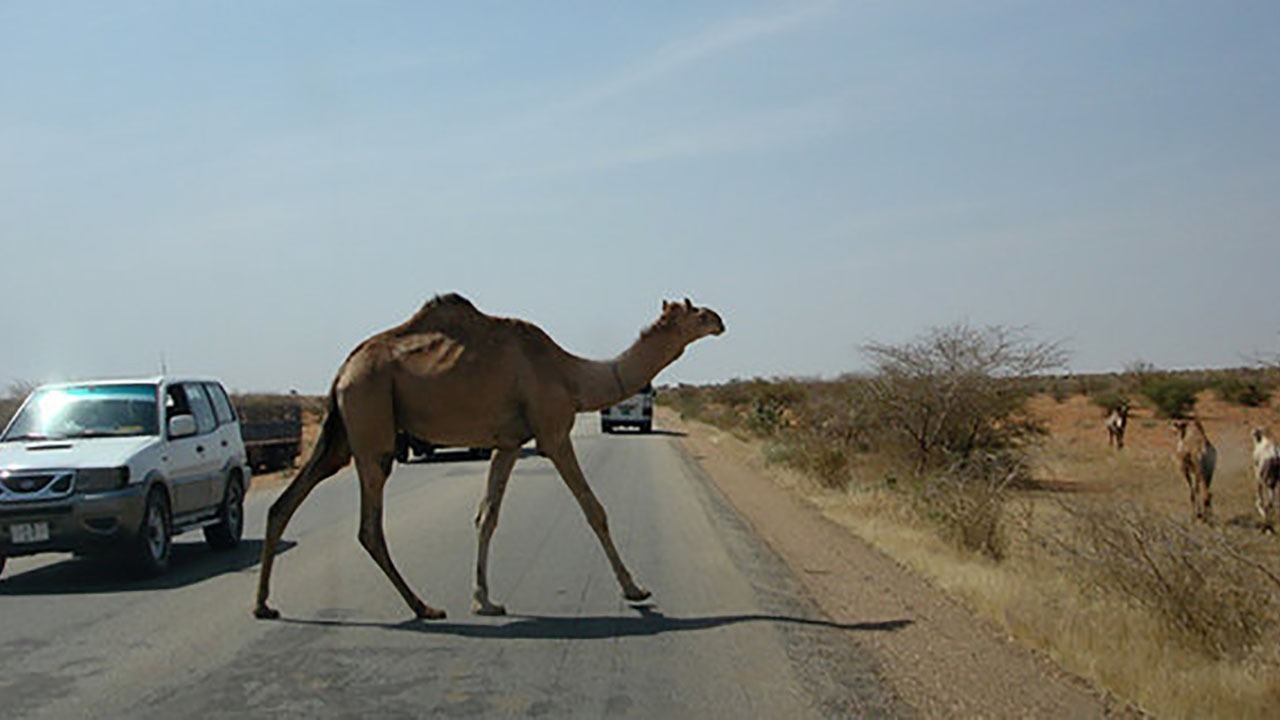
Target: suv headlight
point(99, 479)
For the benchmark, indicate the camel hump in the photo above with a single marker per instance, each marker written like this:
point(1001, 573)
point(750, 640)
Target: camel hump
point(444, 310)
point(448, 300)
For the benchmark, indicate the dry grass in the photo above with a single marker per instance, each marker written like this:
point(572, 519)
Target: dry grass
point(1089, 629)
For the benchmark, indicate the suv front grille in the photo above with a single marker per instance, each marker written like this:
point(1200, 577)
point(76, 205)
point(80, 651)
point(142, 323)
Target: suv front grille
point(18, 486)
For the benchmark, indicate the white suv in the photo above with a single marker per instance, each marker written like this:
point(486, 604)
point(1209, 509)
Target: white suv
point(122, 466)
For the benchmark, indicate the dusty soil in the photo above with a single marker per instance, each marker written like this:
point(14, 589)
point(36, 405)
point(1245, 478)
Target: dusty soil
point(1077, 455)
point(945, 662)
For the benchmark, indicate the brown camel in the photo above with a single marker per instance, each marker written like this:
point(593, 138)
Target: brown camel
point(454, 376)
point(1196, 458)
point(1117, 420)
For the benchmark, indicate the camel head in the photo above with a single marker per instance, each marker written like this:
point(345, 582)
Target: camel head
point(1259, 434)
point(690, 321)
point(1179, 428)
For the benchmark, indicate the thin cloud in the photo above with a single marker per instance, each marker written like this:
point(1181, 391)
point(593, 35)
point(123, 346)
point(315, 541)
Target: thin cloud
point(719, 39)
point(757, 132)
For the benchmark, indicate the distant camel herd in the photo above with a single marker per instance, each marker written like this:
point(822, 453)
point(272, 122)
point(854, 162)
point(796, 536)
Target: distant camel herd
point(1196, 457)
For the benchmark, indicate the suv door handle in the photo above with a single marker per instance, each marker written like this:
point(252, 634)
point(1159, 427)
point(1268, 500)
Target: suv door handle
point(199, 448)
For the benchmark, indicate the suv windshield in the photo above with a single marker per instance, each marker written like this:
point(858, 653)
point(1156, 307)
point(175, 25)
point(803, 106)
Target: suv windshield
point(86, 411)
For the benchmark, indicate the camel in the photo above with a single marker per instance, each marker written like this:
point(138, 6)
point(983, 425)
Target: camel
point(455, 376)
point(1117, 419)
point(1266, 465)
point(1196, 458)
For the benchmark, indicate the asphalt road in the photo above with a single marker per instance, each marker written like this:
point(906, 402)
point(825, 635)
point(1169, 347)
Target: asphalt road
point(728, 632)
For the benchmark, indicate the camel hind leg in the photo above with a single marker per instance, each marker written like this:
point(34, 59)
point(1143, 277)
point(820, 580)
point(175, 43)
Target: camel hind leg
point(330, 455)
point(373, 478)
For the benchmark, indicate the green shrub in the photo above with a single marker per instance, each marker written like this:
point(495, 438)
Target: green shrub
point(1111, 399)
point(1172, 396)
point(1246, 391)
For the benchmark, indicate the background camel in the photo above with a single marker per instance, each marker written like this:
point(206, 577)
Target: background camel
point(454, 376)
point(1196, 458)
point(1117, 419)
point(1266, 465)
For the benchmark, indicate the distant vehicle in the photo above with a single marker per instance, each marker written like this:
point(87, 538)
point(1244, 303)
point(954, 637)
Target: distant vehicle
point(119, 467)
point(272, 432)
point(410, 448)
point(636, 411)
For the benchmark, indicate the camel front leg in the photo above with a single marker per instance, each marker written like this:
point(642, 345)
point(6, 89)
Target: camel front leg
point(566, 463)
point(486, 520)
point(1267, 506)
point(373, 477)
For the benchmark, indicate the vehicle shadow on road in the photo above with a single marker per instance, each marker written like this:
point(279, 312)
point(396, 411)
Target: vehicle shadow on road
point(650, 622)
point(656, 431)
point(190, 563)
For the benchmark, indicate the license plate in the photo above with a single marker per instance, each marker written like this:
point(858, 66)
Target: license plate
point(29, 532)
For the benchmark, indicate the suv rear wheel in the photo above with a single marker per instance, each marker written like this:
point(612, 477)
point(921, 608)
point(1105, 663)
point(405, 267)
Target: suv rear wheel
point(150, 551)
point(226, 534)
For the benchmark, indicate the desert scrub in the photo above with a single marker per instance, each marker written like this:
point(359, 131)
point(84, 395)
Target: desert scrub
point(1172, 396)
point(1248, 390)
point(1111, 399)
point(967, 503)
point(1201, 583)
point(957, 392)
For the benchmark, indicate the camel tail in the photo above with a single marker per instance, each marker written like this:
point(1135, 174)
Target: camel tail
point(331, 451)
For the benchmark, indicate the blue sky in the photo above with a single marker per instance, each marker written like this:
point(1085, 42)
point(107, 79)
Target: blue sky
point(249, 189)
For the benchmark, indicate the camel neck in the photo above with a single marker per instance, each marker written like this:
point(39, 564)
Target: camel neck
point(601, 384)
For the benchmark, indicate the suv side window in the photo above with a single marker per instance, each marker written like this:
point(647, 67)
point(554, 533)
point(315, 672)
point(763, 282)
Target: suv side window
point(201, 408)
point(175, 402)
point(221, 404)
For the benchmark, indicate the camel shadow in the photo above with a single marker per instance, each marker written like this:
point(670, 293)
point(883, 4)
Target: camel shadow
point(650, 622)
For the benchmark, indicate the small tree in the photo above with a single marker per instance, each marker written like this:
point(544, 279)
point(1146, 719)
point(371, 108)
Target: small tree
point(958, 390)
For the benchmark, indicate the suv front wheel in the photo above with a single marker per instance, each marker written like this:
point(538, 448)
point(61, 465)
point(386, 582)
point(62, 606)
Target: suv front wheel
point(226, 534)
point(150, 551)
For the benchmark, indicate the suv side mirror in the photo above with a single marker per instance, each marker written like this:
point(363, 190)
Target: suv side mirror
point(181, 426)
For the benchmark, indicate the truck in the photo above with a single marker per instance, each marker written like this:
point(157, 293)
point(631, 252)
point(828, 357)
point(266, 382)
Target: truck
point(415, 449)
point(272, 431)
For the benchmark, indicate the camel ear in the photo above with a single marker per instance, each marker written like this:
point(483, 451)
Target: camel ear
point(665, 307)
point(687, 304)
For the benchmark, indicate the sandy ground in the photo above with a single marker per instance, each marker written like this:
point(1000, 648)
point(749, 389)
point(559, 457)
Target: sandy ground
point(945, 662)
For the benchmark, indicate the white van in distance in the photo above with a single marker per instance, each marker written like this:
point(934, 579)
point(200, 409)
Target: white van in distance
point(636, 411)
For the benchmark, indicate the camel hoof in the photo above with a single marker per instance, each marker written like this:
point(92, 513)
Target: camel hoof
point(262, 612)
point(488, 609)
point(637, 594)
point(424, 611)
